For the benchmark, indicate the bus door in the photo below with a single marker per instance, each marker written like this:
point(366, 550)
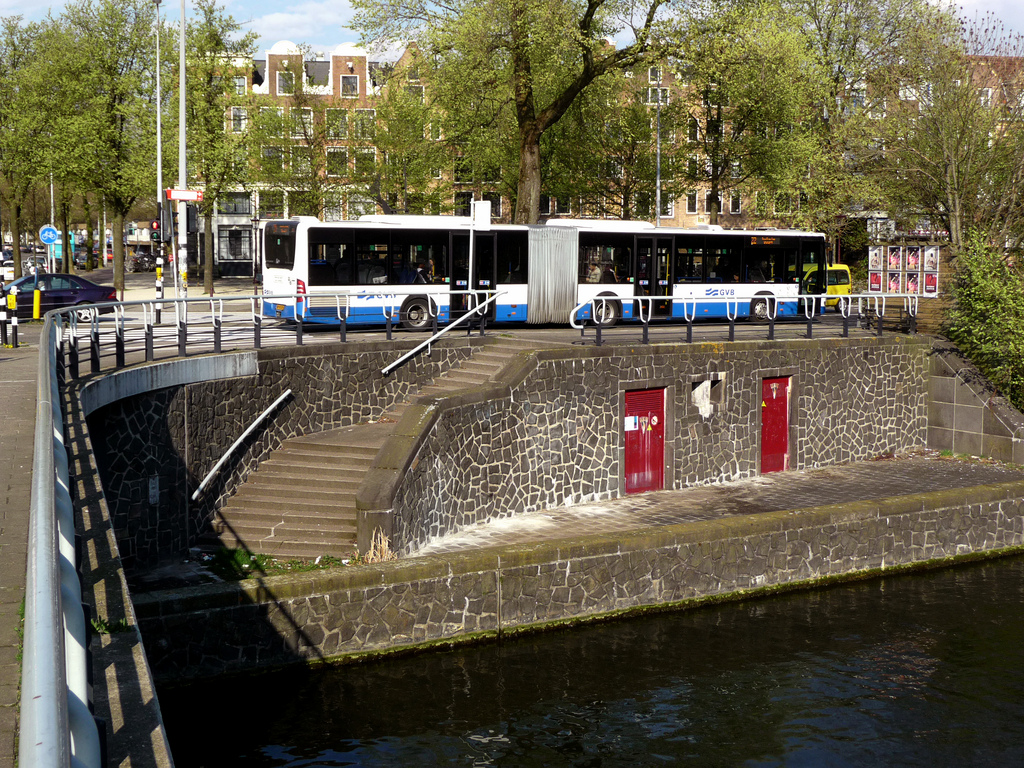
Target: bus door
point(460, 272)
point(652, 271)
point(483, 265)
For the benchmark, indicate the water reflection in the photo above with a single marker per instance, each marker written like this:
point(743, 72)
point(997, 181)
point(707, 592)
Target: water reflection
point(916, 670)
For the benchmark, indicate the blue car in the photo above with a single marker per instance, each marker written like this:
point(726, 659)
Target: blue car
point(57, 291)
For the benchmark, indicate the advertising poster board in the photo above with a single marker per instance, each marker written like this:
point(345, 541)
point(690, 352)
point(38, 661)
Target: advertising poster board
point(894, 284)
point(875, 282)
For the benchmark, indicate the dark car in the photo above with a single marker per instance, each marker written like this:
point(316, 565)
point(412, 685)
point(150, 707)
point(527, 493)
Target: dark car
point(57, 291)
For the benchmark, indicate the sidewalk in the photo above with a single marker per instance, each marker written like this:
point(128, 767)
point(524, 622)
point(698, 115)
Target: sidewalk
point(17, 417)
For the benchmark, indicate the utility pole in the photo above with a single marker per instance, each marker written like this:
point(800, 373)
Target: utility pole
point(182, 260)
point(160, 202)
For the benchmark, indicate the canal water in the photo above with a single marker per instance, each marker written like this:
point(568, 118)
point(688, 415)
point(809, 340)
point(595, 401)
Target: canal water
point(917, 670)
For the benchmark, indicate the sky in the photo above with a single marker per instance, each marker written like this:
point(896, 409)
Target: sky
point(322, 23)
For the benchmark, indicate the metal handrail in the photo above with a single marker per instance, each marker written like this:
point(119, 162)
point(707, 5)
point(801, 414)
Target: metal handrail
point(241, 438)
point(57, 728)
point(477, 310)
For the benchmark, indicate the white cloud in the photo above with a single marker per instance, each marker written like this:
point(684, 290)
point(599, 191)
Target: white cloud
point(321, 25)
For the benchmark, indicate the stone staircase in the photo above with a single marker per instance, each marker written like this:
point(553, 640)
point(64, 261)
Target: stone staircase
point(300, 502)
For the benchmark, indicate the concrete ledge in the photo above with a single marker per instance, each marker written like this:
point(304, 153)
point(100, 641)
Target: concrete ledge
point(118, 385)
point(416, 603)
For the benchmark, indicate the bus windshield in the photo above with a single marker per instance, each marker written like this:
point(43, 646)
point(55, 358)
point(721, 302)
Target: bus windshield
point(279, 244)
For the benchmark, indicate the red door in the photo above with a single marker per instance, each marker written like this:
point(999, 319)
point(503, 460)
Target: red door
point(645, 440)
point(774, 425)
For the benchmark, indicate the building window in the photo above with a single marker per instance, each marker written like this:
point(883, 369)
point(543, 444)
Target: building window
point(562, 207)
point(365, 159)
point(986, 97)
point(495, 200)
point(234, 244)
point(238, 119)
point(271, 204)
point(463, 170)
point(337, 123)
point(667, 206)
point(544, 205)
point(360, 206)
point(240, 85)
point(712, 200)
point(302, 160)
point(415, 91)
point(693, 129)
point(654, 75)
point(365, 123)
point(656, 94)
point(691, 202)
point(735, 203)
point(350, 86)
point(463, 203)
point(302, 122)
point(273, 159)
point(273, 120)
point(234, 203)
point(285, 83)
point(337, 161)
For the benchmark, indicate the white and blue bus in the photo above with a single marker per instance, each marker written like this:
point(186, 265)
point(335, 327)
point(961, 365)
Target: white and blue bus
point(408, 265)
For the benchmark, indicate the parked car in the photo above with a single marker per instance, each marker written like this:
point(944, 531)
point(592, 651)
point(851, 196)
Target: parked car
point(6, 271)
point(141, 262)
point(58, 291)
point(838, 283)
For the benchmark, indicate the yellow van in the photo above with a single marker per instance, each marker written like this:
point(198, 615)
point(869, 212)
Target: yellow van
point(837, 282)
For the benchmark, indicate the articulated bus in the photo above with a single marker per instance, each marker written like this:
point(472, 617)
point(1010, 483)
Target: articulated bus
point(414, 265)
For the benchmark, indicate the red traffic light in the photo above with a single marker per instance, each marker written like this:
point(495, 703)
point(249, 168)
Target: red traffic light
point(155, 225)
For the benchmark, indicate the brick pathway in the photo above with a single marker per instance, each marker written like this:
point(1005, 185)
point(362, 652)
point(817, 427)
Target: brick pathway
point(768, 493)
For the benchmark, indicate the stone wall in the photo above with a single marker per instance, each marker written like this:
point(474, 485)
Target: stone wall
point(154, 449)
point(550, 432)
point(422, 601)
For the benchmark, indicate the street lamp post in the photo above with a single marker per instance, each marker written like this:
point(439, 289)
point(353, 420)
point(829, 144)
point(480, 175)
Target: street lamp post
point(182, 260)
point(159, 178)
point(255, 249)
point(657, 172)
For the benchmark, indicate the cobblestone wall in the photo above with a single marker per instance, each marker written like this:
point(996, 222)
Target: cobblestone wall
point(167, 440)
point(373, 608)
point(556, 437)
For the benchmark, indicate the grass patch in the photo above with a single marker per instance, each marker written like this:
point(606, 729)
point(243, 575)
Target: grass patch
point(103, 627)
point(240, 564)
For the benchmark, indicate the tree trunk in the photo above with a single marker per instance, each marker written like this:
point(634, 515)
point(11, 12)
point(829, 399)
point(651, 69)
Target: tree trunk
point(90, 234)
point(65, 240)
point(528, 189)
point(16, 238)
point(208, 252)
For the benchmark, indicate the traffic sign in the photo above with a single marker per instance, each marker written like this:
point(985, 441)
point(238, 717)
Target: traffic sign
point(188, 195)
point(49, 235)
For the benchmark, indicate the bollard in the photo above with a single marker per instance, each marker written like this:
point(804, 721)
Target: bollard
point(343, 322)
point(597, 334)
point(732, 329)
point(647, 331)
point(387, 325)
point(94, 349)
point(771, 329)
point(159, 287)
point(14, 331)
point(298, 328)
point(256, 327)
point(182, 337)
point(689, 330)
point(3, 327)
point(216, 335)
point(119, 344)
point(149, 340)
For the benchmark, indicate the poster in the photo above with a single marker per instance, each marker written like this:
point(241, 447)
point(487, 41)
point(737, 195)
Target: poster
point(895, 258)
point(895, 282)
point(913, 282)
point(875, 282)
point(875, 255)
point(913, 258)
point(931, 283)
point(931, 258)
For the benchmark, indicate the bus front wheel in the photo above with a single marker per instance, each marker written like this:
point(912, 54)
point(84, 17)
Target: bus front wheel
point(607, 313)
point(415, 314)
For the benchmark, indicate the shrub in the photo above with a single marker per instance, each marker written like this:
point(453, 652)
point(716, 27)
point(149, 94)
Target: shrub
point(987, 317)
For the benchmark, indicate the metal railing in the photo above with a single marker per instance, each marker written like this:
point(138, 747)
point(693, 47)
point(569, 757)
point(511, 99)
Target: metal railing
point(57, 728)
point(479, 309)
point(870, 307)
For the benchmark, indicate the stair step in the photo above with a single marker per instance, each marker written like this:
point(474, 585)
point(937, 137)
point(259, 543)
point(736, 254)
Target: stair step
point(258, 504)
point(285, 496)
point(285, 549)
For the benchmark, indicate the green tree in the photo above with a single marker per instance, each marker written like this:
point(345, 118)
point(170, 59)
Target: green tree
point(217, 54)
point(751, 88)
point(954, 151)
point(21, 131)
point(531, 57)
point(115, 42)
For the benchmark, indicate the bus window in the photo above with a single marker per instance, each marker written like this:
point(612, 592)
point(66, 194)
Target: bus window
point(723, 266)
point(330, 264)
point(279, 244)
point(419, 255)
point(689, 262)
point(372, 264)
point(513, 257)
point(611, 253)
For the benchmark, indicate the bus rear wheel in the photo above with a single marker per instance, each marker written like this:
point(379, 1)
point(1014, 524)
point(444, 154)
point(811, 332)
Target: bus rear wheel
point(415, 314)
point(760, 310)
point(607, 313)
